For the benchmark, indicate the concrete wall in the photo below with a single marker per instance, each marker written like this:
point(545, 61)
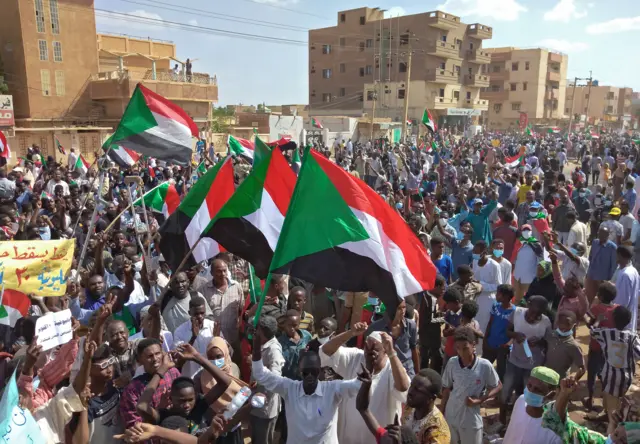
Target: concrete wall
point(280, 126)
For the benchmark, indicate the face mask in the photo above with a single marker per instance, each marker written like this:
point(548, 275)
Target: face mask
point(564, 334)
point(574, 251)
point(323, 341)
point(45, 233)
point(498, 253)
point(372, 301)
point(399, 205)
point(582, 194)
point(137, 266)
point(442, 222)
point(218, 362)
point(533, 213)
point(608, 440)
point(526, 234)
point(459, 235)
point(533, 399)
point(476, 257)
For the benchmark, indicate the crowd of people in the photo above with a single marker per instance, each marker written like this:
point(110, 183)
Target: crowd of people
point(527, 251)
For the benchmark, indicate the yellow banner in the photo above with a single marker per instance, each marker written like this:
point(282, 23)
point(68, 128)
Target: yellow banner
point(495, 143)
point(38, 267)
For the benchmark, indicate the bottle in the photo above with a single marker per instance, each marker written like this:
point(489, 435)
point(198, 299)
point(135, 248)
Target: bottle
point(237, 402)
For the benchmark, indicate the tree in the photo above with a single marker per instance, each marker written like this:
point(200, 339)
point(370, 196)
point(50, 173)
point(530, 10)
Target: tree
point(4, 88)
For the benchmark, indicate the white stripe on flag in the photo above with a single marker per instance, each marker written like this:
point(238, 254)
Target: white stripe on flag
point(171, 130)
point(267, 219)
point(207, 247)
point(374, 248)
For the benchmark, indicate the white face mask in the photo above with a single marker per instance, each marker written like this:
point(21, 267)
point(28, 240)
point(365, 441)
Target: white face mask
point(323, 341)
point(442, 222)
point(138, 266)
point(526, 234)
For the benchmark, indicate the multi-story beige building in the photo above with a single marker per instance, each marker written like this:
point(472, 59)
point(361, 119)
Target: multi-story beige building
point(531, 81)
point(71, 84)
point(599, 103)
point(366, 57)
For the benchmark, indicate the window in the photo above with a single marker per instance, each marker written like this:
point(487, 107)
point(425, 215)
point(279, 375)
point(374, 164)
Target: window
point(326, 73)
point(361, 46)
point(443, 38)
point(361, 72)
point(468, 95)
point(326, 49)
point(363, 20)
point(513, 86)
point(57, 51)
point(83, 143)
point(368, 70)
point(369, 43)
point(456, 95)
point(60, 86)
point(40, 15)
point(343, 42)
point(524, 86)
point(441, 92)
point(566, 110)
point(343, 18)
point(515, 106)
point(53, 11)
point(45, 82)
point(496, 68)
point(497, 107)
point(401, 93)
point(609, 109)
point(456, 69)
point(402, 67)
point(526, 66)
point(443, 65)
point(514, 66)
point(343, 68)
point(42, 48)
point(404, 39)
point(609, 96)
point(326, 98)
point(343, 92)
point(370, 95)
point(586, 96)
point(471, 46)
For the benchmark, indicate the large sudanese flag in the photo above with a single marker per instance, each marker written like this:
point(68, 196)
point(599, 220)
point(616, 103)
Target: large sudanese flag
point(184, 227)
point(122, 156)
point(155, 127)
point(339, 233)
point(249, 224)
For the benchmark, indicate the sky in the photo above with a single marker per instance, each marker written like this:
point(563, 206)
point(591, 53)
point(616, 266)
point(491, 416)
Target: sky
point(258, 48)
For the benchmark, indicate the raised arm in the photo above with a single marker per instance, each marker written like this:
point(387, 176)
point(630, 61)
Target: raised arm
point(401, 380)
point(187, 352)
point(362, 401)
point(144, 407)
point(336, 342)
point(268, 379)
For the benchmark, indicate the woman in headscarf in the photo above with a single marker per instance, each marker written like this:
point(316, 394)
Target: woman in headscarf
point(206, 383)
point(545, 285)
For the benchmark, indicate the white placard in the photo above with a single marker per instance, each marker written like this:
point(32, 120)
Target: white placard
point(54, 329)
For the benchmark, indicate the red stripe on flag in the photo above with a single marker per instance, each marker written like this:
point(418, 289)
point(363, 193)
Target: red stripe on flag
point(164, 107)
point(16, 300)
point(280, 181)
point(172, 199)
point(360, 196)
point(221, 189)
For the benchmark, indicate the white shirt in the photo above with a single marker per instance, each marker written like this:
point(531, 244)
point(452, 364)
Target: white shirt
point(488, 275)
point(626, 221)
point(524, 429)
point(578, 233)
point(73, 158)
point(505, 271)
point(628, 285)
point(526, 265)
point(53, 416)
point(570, 268)
point(136, 297)
point(183, 335)
point(384, 402)
point(51, 187)
point(311, 419)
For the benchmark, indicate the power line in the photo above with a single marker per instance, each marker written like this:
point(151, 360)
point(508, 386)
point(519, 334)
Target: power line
point(286, 9)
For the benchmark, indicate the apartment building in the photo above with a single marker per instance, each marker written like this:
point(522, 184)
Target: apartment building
point(365, 59)
point(531, 81)
point(71, 84)
point(599, 103)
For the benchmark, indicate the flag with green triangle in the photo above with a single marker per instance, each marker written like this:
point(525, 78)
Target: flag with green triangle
point(162, 199)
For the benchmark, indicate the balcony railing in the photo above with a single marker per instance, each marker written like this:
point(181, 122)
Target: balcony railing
point(442, 76)
point(494, 96)
point(443, 49)
point(470, 103)
point(480, 31)
point(441, 20)
point(478, 56)
point(477, 80)
point(553, 76)
point(160, 76)
point(442, 102)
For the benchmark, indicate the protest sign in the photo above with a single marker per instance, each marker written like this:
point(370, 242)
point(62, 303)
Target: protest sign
point(16, 424)
point(37, 267)
point(495, 143)
point(54, 329)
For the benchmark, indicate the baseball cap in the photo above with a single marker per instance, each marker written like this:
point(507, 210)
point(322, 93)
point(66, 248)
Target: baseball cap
point(615, 211)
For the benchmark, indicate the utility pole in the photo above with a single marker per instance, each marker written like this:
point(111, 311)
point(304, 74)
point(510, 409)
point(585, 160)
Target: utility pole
point(373, 110)
point(406, 97)
point(589, 94)
point(573, 104)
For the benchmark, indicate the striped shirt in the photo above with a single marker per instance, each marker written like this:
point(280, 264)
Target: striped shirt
point(306, 322)
point(621, 349)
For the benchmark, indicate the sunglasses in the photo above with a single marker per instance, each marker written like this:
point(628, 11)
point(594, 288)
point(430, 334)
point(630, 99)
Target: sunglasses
point(310, 371)
point(106, 363)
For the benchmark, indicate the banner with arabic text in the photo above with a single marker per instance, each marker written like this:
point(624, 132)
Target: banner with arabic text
point(37, 267)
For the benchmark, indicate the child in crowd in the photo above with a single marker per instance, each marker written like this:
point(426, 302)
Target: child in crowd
point(325, 329)
point(442, 261)
point(619, 367)
point(603, 314)
point(468, 381)
point(468, 286)
point(496, 346)
point(527, 328)
point(431, 320)
point(563, 351)
point(464, 317)
point(293, 341)
point(296, 301)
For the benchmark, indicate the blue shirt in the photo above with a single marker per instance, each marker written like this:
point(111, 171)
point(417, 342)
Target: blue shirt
point(444, 266)
point(500, 321)
point(504, 191)
point(602, 261)
point(456, 220)
point(480, 223)
point(291, 353)
point(630, 196)
point(460, 255)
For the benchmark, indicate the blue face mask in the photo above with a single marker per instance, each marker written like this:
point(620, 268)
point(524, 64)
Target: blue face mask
point(372, 301)
point(564, 334)
point(399, 205)
point(573, 250)
point(45, 233)
point(459, 235)
point(498, 253)
point(608, 440)
point(476, 257)
point(533, 399)
point(218, 362)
